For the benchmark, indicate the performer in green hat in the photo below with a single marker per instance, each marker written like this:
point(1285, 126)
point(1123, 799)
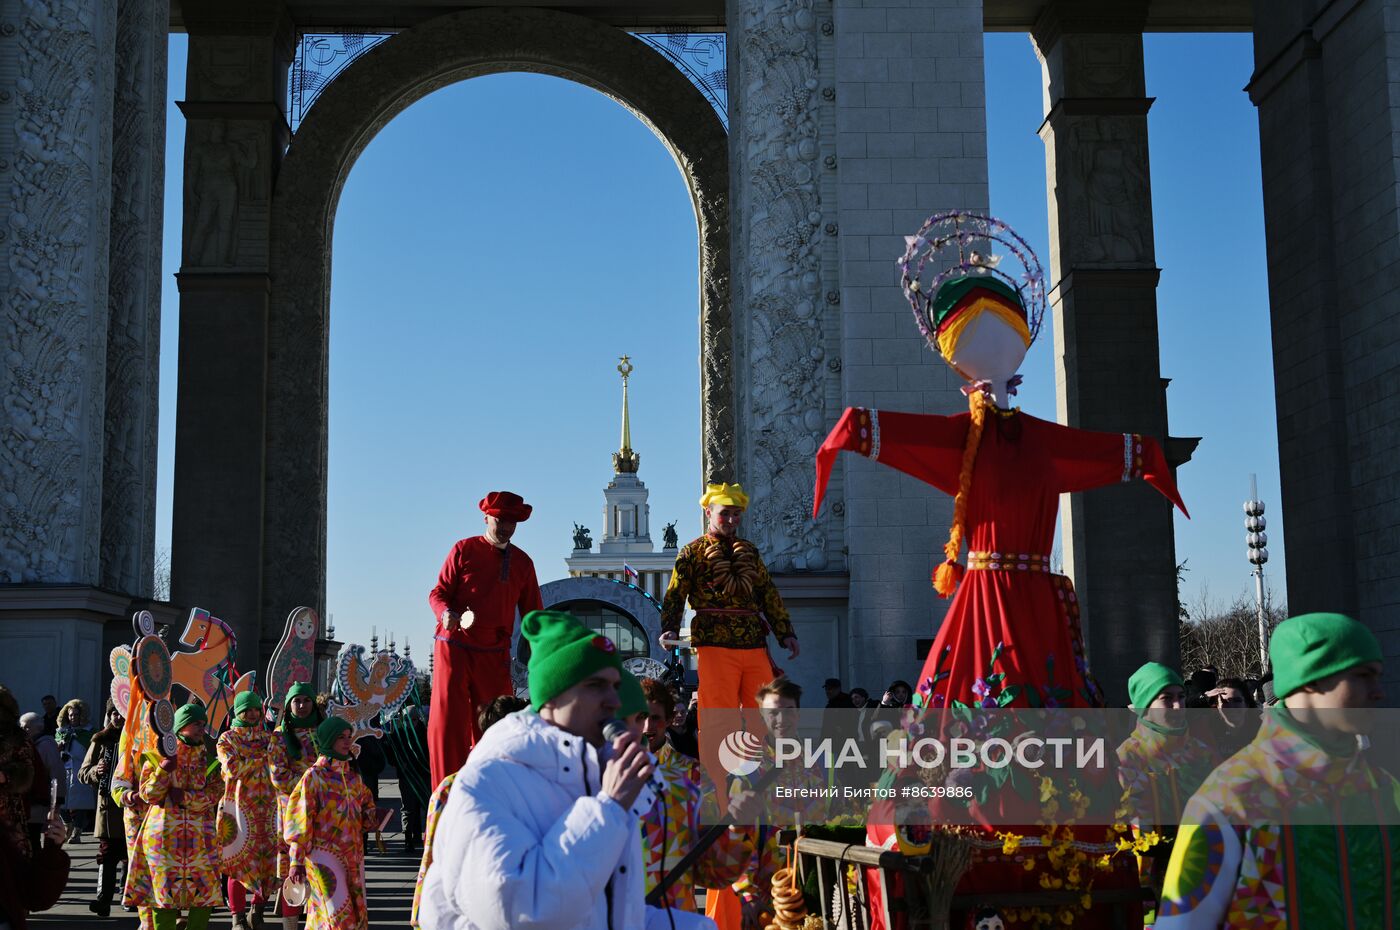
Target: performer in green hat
point(294, 753)
point(175, 866)
point(329, 811)
point(248, 814)
point(1298, 829)
point(1160, 765)
point(537, 807)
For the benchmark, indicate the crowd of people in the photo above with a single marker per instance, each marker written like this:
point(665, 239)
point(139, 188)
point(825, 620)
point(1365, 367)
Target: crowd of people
point(591, 805)
point(270, 810)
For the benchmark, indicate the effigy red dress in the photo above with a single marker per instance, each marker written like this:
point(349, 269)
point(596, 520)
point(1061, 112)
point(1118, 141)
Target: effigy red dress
point(1011, 615)
point(1011, 637)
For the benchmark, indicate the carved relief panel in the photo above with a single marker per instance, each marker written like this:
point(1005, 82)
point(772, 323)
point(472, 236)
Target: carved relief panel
point(54, 333)
point(779, 309)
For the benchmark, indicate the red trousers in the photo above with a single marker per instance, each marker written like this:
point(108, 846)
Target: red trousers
point(464, 681)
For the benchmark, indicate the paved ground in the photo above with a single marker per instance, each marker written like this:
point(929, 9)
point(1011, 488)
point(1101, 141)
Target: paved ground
point(389, 877)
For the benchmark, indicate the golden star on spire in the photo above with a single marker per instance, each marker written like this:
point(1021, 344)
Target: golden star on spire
point(625, 461)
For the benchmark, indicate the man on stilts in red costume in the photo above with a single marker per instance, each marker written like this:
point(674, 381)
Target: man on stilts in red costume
point(485, 581)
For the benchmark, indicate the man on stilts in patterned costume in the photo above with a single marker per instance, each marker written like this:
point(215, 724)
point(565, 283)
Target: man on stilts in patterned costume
point(735, 602)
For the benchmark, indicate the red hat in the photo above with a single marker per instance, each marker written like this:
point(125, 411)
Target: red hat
point(504, 505)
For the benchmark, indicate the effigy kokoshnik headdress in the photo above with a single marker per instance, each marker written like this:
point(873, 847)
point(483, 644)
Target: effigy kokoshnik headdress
point(981, 319)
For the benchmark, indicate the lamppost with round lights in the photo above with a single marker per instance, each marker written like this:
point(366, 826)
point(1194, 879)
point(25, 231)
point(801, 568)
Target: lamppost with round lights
point(1257, 553)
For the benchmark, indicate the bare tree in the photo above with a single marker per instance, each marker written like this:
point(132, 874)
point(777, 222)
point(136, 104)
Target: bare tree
point(1226, 636)
point(162, 575)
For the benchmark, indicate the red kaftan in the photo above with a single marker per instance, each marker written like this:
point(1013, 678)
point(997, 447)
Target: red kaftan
point(1023, 465)
point(471, 667)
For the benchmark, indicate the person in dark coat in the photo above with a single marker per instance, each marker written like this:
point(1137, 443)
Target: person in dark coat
point(98, 766)
point(30, 883)
point(835, 697)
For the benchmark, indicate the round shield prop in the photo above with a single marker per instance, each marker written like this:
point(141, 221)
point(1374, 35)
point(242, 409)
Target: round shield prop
point(152, 666)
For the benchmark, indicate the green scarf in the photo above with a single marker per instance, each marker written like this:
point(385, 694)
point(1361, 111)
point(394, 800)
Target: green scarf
point(1162, 728)
point(246, 700)
point(326, 734)
point(290, 724)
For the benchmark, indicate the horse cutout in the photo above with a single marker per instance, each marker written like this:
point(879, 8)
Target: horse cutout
point(208, 671)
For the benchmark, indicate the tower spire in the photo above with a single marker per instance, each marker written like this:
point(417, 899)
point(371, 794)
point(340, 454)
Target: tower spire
point(625, 461)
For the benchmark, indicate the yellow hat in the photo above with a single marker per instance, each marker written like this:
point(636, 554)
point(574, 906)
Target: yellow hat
point(724, 495)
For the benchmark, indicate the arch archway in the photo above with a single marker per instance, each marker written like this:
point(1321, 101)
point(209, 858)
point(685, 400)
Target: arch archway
point(347, 115)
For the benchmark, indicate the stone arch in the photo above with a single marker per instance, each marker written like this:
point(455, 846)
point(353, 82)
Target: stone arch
point(347, 115)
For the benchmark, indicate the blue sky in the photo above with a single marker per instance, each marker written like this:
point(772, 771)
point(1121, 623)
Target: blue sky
point(502, 241)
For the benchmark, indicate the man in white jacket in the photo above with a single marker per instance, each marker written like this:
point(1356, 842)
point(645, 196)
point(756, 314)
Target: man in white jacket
point(538, 831)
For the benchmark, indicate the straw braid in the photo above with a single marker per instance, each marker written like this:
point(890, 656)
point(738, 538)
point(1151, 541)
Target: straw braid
point(946, 578)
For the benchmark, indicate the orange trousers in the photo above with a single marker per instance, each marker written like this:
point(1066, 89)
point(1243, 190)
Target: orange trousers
point(730, 678)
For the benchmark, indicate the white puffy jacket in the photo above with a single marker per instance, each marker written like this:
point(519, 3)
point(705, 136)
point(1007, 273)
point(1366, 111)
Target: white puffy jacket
point(526, 842)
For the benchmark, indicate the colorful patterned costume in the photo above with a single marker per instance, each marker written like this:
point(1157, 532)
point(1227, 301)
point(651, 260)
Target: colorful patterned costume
point(672, 826)
point(175, 861)
point(248, 816)
point(748, 902)
point(286, 775)
point(133, 813)
point(326, 815)
point(728, 586)
point(1341, 872)
point(436, 803)
point(1159, 772)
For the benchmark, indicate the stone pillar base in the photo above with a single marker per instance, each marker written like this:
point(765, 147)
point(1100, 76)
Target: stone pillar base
point(54, 640)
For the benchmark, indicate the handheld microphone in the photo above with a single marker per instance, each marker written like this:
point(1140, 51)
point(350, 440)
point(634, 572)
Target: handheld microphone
point(613, 729)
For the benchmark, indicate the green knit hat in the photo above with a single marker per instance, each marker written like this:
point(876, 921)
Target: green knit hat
point(563, 652)
point(1148, 682)
point(326, 733)
point(189, 713)
point(246, 700)
point(634, 699)
point(1310, 647)
point(301, 689)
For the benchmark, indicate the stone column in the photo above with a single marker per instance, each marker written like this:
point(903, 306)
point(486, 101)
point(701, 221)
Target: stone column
point(1119, 540)
point(235, 135)
point(781, 320)
point(57, 61)
point(850, 124)
point(134, 290)
point(911, 141)
point(1326, 87)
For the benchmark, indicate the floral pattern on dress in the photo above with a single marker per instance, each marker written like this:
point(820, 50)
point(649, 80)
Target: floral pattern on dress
point(326, 815)
point(286, 773)
point(247, 825)
point(175, 863)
